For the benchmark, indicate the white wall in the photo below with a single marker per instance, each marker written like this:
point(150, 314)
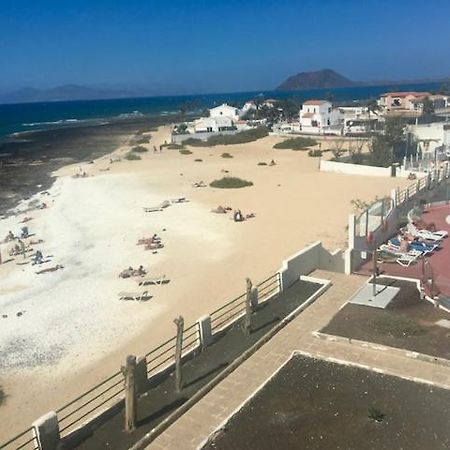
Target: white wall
point(307, 260)
point(353, 169)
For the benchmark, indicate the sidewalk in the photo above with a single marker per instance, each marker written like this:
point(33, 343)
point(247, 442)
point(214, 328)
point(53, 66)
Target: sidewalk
point(213, 410)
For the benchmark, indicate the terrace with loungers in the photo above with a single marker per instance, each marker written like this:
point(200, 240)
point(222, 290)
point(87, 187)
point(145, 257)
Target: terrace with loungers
point(419, 253)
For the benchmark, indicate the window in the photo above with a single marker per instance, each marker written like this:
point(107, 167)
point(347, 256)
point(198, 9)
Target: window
point(329, 109)
point(328, 122)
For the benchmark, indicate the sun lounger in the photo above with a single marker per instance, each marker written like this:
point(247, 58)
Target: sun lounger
point(403, 259)
point(51, 269)
point(153, 209)
point(165, 204)
point(425, 234)
point(155, 280)
point(136, 296)
point(415, 245)
point(179, 200)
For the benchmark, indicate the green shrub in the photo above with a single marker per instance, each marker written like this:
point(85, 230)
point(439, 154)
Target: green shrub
point(185, 152)
point(262, 164)
point(226, 155)
point(174, 146)
point(194, 142)
point(2, 395)
point(315, 153)
point(139, 149)
point(198, 160)
point(297, 143)
point(375, 414)
point(132, 156)
point(230, 183)
point(230, 139)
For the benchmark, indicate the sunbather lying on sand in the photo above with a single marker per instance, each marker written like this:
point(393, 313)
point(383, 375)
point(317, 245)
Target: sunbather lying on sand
point(199, 184)
point(9, 237)
point(51, 269)
point(35, 242)
point(219, 210)
point(130, 272)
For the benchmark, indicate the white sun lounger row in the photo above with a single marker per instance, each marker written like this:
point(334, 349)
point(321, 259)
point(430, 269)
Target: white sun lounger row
point(405, 259)
point(434, 236)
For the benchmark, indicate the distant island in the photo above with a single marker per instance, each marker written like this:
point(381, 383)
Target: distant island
point(64, 93)
point(328, 78)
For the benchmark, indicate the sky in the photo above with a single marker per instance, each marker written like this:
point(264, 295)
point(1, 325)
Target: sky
point(199, 46)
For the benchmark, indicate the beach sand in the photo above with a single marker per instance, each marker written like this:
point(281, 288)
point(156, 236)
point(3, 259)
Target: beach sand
point(72, 331)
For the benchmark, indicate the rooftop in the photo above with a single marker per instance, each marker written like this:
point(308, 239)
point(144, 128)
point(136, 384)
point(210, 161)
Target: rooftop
point(315, 102)
point(405, 94)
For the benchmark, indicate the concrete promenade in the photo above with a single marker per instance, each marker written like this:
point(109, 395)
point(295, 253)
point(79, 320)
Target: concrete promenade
point(213, 410)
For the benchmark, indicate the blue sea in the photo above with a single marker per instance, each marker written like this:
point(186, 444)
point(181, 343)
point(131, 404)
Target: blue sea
point(34, 116)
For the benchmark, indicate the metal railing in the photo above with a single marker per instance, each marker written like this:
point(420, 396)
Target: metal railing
point(87, 405)
point(227, 313)
point(269, 287)
point(101, 397)
point(25, 440)
point(161, 357)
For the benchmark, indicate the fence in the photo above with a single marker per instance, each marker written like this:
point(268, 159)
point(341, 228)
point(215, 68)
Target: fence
point(110, 393)
point(381, 220)
point(24, 440)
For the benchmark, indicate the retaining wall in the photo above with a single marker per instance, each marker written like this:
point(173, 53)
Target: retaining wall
point(310, 258)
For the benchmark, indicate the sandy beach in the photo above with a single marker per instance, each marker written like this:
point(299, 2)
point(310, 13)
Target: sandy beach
point(63, 331)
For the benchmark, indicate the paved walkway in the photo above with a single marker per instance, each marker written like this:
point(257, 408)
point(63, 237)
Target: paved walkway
point(213, 410)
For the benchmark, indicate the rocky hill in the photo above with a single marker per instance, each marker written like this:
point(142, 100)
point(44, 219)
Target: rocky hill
point(326, 78)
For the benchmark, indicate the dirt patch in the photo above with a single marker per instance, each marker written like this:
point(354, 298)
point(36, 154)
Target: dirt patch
point(315, 404)
point(408, 322)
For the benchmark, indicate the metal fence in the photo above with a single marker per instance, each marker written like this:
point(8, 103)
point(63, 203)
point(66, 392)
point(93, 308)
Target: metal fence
point(269, 287)
point(227, 313)
point(110, 391)
point(90, 404)
point(24, 440)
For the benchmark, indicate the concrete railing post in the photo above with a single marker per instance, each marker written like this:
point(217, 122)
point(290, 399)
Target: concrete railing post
point(204, 326)
point(254, 297)
point(46, 432)
point(179, 322)
point(129, 373)
point(248, 307)
point(141, 375)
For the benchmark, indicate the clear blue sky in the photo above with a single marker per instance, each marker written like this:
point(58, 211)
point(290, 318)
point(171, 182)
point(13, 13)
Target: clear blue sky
point(195, 46)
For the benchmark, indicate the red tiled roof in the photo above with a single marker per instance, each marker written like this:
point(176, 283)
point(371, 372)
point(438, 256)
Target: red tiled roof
point(405, 94)
point(314, 102)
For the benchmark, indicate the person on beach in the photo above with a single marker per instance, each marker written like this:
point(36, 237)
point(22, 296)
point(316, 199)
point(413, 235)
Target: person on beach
point(154, 149)
point(38, 257)
point(10, 236)
point(24, 233)
point(22, 248)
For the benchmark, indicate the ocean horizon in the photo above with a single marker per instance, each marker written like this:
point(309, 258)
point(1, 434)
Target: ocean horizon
point(20, 117)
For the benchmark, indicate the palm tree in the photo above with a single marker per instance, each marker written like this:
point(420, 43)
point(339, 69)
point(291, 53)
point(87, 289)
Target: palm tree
point(372, 107)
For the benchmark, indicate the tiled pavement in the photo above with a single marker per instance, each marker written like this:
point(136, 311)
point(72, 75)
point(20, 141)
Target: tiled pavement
point(197, 424)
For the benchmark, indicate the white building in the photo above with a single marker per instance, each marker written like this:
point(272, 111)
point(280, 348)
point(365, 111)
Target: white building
point(213, 124)
point(248, 106)
point(319, 117)
point(225, 110)
point(431, 136)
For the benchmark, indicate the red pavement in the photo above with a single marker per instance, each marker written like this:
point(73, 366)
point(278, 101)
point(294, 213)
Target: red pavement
point(438, 263)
